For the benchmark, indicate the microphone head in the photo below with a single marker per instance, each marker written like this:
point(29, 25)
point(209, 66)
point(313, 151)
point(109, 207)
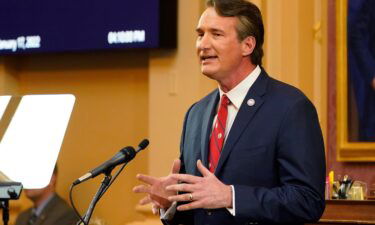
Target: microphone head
point(143, 144)
point(129, 153)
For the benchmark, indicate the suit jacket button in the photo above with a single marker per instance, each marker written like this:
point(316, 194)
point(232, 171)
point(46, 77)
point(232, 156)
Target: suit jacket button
point(209, 213)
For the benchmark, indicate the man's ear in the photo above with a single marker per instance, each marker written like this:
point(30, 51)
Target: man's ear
point(248, 45)
point(53, 180)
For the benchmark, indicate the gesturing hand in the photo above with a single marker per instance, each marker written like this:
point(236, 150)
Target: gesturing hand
point(373, 83)
point(203, 192)
point(156, 188)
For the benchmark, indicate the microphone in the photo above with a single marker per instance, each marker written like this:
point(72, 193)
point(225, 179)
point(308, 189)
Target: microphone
point(144, 143)
point(123, 156)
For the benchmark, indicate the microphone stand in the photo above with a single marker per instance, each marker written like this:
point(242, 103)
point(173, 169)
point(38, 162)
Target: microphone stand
point(4, 204)
point(105, 183)
point(8, 191)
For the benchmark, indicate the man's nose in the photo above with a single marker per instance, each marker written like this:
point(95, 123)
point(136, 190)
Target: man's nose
point(204, 42)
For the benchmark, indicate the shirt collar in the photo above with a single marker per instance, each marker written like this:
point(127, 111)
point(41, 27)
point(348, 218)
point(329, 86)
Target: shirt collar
point(238, 93)
point(40, 208)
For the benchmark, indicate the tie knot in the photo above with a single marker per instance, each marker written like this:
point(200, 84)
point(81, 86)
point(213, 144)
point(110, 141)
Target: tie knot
point(33, 218)
point(225, 100)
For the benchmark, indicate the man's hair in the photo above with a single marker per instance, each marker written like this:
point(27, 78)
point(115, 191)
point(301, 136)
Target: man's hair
point(250, 22)
point(55, 170)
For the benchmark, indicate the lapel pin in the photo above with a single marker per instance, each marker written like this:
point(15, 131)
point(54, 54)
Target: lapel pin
point(251, 102)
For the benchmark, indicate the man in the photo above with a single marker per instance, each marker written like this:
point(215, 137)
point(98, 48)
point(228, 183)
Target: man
point(251, 151)
point(49, 208)
point(361, 61)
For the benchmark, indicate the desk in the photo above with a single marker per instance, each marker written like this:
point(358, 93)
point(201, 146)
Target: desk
point(348, 212)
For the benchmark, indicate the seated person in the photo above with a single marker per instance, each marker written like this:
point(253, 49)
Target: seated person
point(48, 207)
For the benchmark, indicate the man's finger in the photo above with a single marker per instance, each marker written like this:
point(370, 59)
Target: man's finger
point(176, 166)
point(142, 189)
point(145, 200)
point(160, 201)
point(147, 179)
point(190, 206)
point(187, 178)
point(156, 204)
point(155, 209)
point(181, 187)
point(204, 171)
point(181, 198)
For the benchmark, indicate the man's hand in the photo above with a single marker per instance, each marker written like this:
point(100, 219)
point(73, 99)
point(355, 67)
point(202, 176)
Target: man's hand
point(373, 84)
point(203, 192)
point(156, 188)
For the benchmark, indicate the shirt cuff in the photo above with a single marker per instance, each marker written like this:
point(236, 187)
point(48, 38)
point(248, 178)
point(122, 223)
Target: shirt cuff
point(169, 213)
point(233, 209)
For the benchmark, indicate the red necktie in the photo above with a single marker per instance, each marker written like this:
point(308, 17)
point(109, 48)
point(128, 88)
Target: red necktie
point(218, 133)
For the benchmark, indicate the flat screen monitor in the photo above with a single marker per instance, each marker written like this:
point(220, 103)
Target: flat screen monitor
point(86, 25)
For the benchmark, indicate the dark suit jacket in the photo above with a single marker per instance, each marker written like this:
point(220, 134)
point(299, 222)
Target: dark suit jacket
point(56, 212)
point(274, 156)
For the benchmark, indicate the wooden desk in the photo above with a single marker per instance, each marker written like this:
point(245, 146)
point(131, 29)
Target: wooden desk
point(348, 212)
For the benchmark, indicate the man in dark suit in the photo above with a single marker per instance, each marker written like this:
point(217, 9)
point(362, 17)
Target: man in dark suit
point(49, 208)
point(252, 150)
point(361, 63)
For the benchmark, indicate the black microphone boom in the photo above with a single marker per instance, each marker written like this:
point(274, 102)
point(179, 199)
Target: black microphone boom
point(123, 156)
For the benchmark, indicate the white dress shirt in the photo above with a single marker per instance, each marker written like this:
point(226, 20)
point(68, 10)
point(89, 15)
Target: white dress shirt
point(236, 97)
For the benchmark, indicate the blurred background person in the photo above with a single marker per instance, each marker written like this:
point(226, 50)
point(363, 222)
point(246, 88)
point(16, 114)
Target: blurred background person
point(48, 207)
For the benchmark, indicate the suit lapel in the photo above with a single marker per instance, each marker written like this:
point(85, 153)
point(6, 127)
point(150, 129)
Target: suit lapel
point(207, 125)
point(41, 219)
point(47, 210)
point(244, 116)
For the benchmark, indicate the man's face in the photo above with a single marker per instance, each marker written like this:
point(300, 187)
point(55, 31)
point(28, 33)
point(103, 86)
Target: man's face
point(219, 50)
point(34, 194)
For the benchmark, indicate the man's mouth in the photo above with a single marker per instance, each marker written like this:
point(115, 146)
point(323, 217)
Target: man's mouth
point(208, 58)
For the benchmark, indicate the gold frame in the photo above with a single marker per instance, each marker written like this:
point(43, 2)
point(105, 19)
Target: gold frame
point(346, 151)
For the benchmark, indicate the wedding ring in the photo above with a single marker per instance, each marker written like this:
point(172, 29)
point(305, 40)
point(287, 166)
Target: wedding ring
point(191, 197)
